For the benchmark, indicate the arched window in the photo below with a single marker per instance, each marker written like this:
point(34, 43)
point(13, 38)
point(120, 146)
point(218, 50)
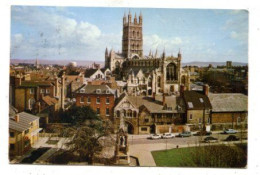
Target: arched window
point(118, 113)
point(143, 80)
point(137, 34)
point(183, 81)
point(135, 114)
point(117, 64)
point(31, 103)
point(133, 33)
point(150, 82)
point(129, 113)
point(171, 72)
point(159, 81)
point(137, 80)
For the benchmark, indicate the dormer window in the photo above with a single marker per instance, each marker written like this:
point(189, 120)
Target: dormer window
point(82, 90)
point(107, 91)
point(201, 100)
point(98, 91)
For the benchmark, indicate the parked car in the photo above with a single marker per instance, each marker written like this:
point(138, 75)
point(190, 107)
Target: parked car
point(168, 136)
point(210, 139)
point(155, 136)
point(203, 133)
point(231, 138)
point(185, 134)
point(230, 131)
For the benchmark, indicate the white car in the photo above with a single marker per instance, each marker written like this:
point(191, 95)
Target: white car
point(168, 136)
point(155, 136)
point(230, 131)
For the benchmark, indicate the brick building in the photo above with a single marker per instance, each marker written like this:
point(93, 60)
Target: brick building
point(99, 97)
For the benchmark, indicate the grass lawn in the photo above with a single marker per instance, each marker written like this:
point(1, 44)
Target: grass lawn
point(207, 156)
point(172, 158)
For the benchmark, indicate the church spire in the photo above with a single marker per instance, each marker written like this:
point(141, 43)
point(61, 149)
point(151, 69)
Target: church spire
point(135, 19)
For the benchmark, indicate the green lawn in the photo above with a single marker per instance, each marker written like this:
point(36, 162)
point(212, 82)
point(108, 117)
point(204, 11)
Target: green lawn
point(204, 156)
point(173, 158)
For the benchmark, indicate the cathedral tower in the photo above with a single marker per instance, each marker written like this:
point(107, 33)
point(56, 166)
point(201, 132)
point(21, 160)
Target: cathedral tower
point(132, 41)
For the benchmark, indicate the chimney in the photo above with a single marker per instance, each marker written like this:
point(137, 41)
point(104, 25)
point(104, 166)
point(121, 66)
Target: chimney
point(62, 90)
point(164, 99)
point(18, 81)
point(16, 118)
point(206, 89)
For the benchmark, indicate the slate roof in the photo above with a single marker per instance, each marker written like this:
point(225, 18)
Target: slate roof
point(92, 89)
point(196, 100)
point(156, 106)
point(24, 120)
point(229, 102)
point(90, 72)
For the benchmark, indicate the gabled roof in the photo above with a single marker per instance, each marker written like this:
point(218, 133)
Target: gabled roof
point(24, 121)
point(95, 89)
point(90, 72)
point(174, 104)
point(196, 100)
point(229, 102)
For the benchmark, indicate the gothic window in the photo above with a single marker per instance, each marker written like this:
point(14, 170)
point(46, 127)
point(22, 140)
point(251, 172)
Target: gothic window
point(143, 80)
point(118, 113)
point(150, 82)
point(137, 46)
point(159, 81)
point(133, 33)
point(137, 80)
point(129, 113)
point(137, 34)
point(183, 81)
point(117, 64)
point(171, 72)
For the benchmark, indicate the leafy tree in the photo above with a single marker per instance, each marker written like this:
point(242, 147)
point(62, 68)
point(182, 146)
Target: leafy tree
point(76, 115)
point(87, 133)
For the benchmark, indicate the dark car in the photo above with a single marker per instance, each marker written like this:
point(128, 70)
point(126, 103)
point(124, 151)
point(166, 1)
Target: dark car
point(185, 134)
point(232, 138)
point(210, 139)
point(203, 133)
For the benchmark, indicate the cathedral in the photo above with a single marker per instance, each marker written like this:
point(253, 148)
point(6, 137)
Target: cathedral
point(154, 74)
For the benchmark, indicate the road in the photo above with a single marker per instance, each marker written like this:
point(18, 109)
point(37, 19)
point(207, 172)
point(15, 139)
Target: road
point(134, 139)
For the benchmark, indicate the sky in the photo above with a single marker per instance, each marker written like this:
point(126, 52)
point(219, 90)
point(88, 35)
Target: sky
point(83, 33)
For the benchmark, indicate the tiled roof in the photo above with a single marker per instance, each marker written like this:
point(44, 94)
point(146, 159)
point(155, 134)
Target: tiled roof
point(23, 123)
point(229, 102)
point(196, 100)
point(49, 100)
point(35, 83)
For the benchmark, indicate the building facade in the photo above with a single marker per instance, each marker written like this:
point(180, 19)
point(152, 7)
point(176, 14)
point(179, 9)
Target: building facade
point(99, 97)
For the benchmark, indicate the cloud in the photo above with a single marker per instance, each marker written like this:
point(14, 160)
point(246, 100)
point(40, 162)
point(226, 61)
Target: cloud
point(153, 42)
point(56, 36)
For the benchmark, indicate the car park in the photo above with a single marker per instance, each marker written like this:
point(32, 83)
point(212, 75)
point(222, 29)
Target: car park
point(168, 136)
point(155, 136)
point(210, 140)
point(185, 134)
point(232, 138)
point(230, 131)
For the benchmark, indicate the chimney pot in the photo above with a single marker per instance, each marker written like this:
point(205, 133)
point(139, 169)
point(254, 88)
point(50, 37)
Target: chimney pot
point(206, 89)
point(16, 118)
